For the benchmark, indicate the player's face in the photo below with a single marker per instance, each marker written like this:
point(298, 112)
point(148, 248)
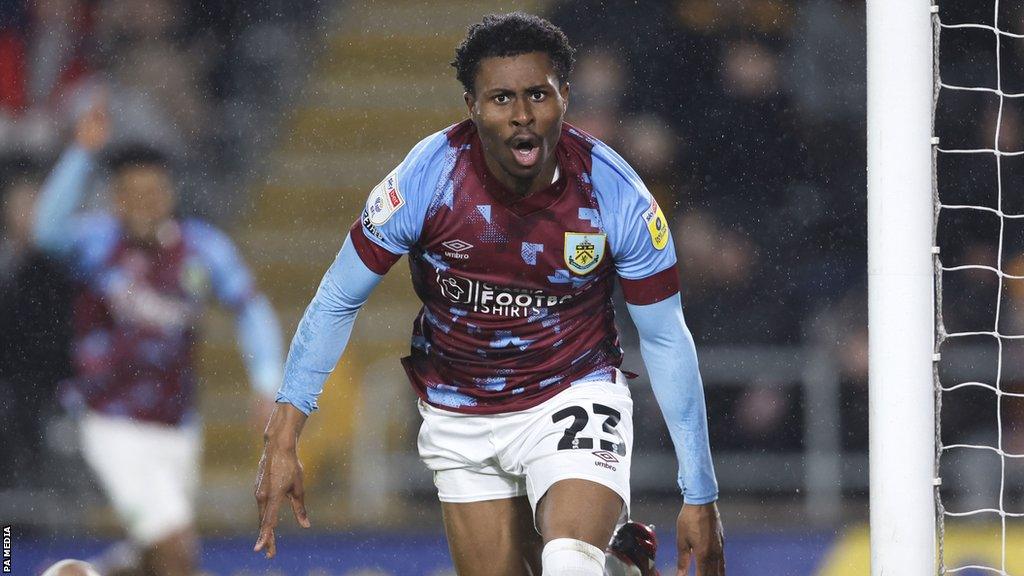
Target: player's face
point(517, 106)
point(144, 198)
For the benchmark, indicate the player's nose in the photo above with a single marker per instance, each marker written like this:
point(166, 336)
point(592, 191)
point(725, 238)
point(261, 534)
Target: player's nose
point(522, 113)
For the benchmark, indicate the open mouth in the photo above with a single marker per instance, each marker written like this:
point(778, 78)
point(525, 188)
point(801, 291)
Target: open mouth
point(526, 150)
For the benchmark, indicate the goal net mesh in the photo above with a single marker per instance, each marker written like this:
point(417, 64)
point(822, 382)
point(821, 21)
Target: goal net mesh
point(979, 267)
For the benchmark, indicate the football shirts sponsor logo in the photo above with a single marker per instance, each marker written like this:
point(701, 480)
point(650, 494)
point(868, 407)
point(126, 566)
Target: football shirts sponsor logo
point(583, 252)
point(485, 298)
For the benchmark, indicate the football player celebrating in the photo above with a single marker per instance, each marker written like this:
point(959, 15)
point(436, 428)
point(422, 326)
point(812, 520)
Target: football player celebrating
point(145, 277)
point(516, 226)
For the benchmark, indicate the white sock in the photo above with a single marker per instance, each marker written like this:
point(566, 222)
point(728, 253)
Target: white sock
point(615, 567)
point(570, 557)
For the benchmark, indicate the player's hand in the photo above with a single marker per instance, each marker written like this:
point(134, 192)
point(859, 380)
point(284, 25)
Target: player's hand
point(92, 130)
point(279, 475)
point(699, 536)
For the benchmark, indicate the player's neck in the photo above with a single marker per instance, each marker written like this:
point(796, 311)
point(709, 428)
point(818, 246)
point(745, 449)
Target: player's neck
point(523, 187)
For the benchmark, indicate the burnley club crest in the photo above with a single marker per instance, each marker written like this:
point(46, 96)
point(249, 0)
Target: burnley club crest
point(583, 252)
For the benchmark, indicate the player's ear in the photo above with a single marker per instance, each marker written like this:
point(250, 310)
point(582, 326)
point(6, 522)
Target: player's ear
point(563, 90)
point(470, 101)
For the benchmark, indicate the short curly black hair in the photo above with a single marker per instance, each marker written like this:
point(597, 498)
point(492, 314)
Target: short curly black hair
point(511, 35)
point(135, 155)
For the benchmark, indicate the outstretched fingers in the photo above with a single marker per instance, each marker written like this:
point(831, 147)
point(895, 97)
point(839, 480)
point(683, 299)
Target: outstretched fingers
point(269, 504)
point(297, 497)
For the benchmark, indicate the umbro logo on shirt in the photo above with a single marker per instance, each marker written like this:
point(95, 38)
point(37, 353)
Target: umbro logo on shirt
point(455, 249)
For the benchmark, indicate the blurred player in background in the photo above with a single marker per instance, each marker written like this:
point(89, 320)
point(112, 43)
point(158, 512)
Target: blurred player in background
point(144, 278)
point(516, 226)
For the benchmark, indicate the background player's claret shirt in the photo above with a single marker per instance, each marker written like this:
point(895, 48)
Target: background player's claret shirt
point(516, 292)
point(136, 316)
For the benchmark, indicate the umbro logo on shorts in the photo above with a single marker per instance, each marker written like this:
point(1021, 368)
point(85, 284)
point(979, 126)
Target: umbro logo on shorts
point(605, 455)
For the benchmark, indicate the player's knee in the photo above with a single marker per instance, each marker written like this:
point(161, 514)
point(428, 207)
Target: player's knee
point(570, 557)
point(71, 568)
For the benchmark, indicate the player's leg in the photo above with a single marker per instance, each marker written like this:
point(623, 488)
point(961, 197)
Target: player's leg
point(149, 472)
point(176, 551)
point(576, 456)
point(173, 555)
point(493, 537)
point(488, 519)
point(579, 509)
point(123, 558)
point(577, 518)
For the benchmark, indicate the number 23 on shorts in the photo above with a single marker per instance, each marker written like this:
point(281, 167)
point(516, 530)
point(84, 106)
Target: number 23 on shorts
point(580, 417)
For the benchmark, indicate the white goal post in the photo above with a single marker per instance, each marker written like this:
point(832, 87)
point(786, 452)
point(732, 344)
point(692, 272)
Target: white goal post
point(900, 286)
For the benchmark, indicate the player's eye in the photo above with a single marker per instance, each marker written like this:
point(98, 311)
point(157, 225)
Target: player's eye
point(537, 96)
point(502, 99)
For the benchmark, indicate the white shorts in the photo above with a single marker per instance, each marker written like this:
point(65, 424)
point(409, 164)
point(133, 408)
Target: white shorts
point(149, 471)
point(584, 432)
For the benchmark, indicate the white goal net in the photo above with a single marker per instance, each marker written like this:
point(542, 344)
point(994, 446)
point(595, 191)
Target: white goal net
point(978, 192)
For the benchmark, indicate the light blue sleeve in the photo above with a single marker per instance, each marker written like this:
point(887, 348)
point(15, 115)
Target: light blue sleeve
point(60, 196)
point(259, 338)
point(671, 360)
point(638, 233)
point(325, 328)
point(256, 324)
point(395, 210)
point(230, 278)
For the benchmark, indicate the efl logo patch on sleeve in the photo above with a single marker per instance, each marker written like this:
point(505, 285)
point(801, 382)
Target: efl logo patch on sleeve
point(385, 199)
point(657, 226)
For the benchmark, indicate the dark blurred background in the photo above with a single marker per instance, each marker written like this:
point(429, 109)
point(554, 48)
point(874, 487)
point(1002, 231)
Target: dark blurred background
point(746, 119)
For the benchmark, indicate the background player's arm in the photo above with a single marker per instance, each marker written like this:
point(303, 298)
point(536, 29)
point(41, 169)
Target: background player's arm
point(258, 332)
point(62, 192)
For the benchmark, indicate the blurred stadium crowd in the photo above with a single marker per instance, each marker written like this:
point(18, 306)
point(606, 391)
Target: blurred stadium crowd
point(189, 77)
point(745, 117)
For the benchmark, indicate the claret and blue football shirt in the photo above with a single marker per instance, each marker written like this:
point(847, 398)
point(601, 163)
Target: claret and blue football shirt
point(516, 291)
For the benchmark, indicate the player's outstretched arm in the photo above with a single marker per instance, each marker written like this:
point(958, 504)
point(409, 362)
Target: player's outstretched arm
point(671, 360)
point(316, 348)
point(325, 328)
point(63, 189)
